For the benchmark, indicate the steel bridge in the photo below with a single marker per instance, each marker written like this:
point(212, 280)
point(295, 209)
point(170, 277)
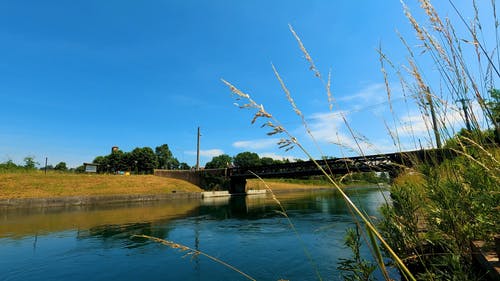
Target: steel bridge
point(392, 163)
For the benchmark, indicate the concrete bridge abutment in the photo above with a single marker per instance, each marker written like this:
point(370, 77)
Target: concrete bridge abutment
point(207, 179)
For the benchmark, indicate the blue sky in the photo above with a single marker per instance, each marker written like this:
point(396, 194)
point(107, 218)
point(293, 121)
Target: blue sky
point(78, 77)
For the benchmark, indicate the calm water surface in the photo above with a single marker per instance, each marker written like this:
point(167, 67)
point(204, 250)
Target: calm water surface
point(94, 243)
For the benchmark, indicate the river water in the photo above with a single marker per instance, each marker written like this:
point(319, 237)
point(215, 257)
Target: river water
point(96, 243)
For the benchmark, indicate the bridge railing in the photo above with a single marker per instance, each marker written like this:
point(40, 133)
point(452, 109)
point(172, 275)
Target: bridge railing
point(368, 163)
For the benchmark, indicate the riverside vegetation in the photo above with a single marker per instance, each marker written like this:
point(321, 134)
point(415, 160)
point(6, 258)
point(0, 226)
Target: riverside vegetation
point(437, 209)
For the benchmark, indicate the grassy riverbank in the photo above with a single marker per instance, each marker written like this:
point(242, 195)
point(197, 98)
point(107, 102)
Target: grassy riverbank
point(281, 184)
point(36, 184)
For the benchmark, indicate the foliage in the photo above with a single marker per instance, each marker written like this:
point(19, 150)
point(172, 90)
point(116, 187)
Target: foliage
point(214, 183)
point(8, 166)
point(365, 177)
point(165, 158)
point(146, 159)
point(432, 222)
point(493, 105)
point(355, 268)
point(219, 162)
point(61, 166)
point(246, 159)
point(80, 169)
point(30, 163)
point(434, 218)
point(140, 160)
point(267, 161)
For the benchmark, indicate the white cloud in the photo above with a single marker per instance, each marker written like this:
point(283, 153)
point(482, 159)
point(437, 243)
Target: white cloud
point(256, 144)
point(325, 126)
point(418, 124)
point(330, 128)
point(207, 153)
point(276, 156)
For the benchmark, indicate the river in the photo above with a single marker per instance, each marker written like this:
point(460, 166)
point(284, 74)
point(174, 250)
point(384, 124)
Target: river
point(96, 243)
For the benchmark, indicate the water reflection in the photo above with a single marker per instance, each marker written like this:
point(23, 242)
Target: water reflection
point(127, 218)
point(245, 231)
point(17, 223)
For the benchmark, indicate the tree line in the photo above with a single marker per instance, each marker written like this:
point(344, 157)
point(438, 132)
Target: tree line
point(141, 160)
point(30, 165)
point(243, 159)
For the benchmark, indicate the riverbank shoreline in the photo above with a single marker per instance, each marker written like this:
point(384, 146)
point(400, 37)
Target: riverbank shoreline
point(93, 200)
point(37, 190)
point(71, 201)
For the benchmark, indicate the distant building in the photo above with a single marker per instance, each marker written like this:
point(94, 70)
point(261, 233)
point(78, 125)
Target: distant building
point(90, 167)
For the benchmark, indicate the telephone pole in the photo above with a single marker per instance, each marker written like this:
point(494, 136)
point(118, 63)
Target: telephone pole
point(434, 121)
point(198, 151)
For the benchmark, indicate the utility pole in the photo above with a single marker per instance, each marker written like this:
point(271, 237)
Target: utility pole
point(46, 158)
point(466, 113)
point(433, 115)
point(198, 151)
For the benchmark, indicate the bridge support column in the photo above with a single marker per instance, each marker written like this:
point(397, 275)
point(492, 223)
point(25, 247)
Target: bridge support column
point(237, 185)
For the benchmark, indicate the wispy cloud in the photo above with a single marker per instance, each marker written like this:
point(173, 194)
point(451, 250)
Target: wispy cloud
point(373, 93)
point(325, 127)
point(372, 97)
point(256, 144)
point(330, 128)
point(207, 153)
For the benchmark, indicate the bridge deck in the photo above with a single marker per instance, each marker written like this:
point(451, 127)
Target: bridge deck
point(369, 163)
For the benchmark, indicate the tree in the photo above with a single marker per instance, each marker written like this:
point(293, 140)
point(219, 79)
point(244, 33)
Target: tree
point(118, 161)
point(102, 164)
point(494, 108)
point(184, 166)
point(9, 166)
point(219, 162)
point(246, 159)
point(145, 159)
point(80, 169)
point(384, 177)
point(29, 162)
point(165, 158)
point(267, 161)
point(61, 166)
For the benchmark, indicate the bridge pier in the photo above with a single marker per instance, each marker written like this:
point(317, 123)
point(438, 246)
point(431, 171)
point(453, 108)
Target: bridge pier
point(237, 185)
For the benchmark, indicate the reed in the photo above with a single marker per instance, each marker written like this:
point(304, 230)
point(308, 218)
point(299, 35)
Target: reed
point(436, 208)
point(441, 208)
point(190, 252)
point(443, 204)
point(289, 141)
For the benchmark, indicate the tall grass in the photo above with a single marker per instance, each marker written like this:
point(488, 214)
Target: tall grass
point(289, 141)
point(439, 208)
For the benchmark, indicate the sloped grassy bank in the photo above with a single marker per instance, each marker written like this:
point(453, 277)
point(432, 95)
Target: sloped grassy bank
point(35, 188)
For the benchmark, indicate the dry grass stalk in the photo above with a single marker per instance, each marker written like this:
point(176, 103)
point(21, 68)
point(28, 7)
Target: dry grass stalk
point(291, 140)
point(394, 137)
point(312, 66)
point(192, 253)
